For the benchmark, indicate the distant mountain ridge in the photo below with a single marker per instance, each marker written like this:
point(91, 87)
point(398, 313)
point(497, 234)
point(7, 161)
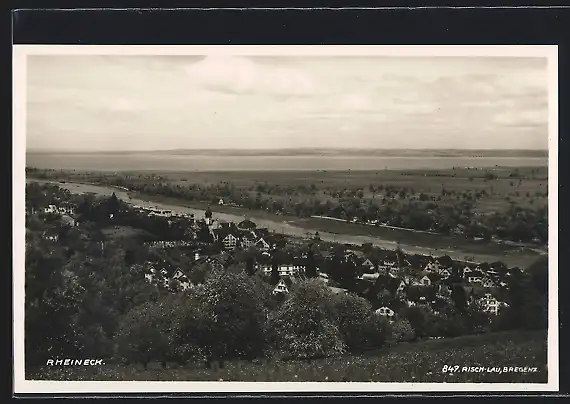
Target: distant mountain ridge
point(292, 152)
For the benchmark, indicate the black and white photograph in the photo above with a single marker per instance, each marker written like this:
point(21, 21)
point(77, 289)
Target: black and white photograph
point(295, 218)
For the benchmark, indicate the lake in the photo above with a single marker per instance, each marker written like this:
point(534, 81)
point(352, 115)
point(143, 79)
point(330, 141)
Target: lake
point(162, 162)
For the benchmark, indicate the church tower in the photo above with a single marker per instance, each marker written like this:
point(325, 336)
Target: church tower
point(208, 216)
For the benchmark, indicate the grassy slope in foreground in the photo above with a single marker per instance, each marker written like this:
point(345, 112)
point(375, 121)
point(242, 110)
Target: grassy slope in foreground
point(410, 362)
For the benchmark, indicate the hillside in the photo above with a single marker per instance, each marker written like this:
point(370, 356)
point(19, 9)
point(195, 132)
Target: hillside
point(405, 362)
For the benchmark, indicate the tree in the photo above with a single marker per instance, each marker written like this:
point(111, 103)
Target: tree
point(235, 325)
point(418, 318)
point(142, 335)
point(527, 298)
point(402, 331)
point(274, 277)
point(459, 298)
point(311, 265)
point(306, 325)
point(53, 299)
point(359, 326)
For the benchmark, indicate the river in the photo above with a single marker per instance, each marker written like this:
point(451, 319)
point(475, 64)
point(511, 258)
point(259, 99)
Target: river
point(282, 227)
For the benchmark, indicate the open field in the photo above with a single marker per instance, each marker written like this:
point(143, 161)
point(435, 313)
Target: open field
point(526, 187)
point(406, 362)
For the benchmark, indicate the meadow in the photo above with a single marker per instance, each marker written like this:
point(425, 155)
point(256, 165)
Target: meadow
point(405, 362)
point(530, 191)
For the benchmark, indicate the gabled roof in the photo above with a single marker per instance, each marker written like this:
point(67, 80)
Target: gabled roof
point(387, 282)
point(391, 256)
point(223, 232)
point(246, 225)
point(286, 280)
point(433, 277)
point(262, 232)
point(445, 261)
point(248, 235)
point(484, 266)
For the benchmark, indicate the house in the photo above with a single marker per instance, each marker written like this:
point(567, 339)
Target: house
point(292, 269)
point(230, 242)
point(368, 264)
point(445, 273)
point(488, 282)
point(178, 274)
point(228, 236)
point(246, 225)
point(390, 261)
point(429, 279)
point(445, 261)
point(248, 239)
point(467, 270)
point(432, 266)
point(262, 244)
point(474, 277)
point(221, 201)
point(385, 311)
point(490, 304)
point(483, 267)
point(369, 277)
point(401, 287)
point(425, 281)
point(283, 286)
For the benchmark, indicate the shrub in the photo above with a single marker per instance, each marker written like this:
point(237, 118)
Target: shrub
point(402, 331)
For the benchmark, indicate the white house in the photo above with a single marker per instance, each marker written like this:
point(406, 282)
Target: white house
point(490, 304)
point(262, 244)
point(445, 273)
point(230, 242)
point(425, 281)
point(367, 263)
point(178, 274)
point(488, 283)
point(401, 287)
point(432, 266)
point(474, 279)
point(281, 287)
point(385, 311)
point(369, 277)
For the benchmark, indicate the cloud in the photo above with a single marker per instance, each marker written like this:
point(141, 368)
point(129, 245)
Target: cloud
point(122, 105)
point(241, 75)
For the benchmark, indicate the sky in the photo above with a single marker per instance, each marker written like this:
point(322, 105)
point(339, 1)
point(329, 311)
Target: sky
point(97, 102)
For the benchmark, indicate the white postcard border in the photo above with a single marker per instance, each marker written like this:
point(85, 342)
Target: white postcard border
point(20, 53)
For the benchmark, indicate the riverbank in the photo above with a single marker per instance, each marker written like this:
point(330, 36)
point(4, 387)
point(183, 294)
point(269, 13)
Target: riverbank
point(332, 231)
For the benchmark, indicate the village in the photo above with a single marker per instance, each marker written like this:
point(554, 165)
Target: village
point(394, 279)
